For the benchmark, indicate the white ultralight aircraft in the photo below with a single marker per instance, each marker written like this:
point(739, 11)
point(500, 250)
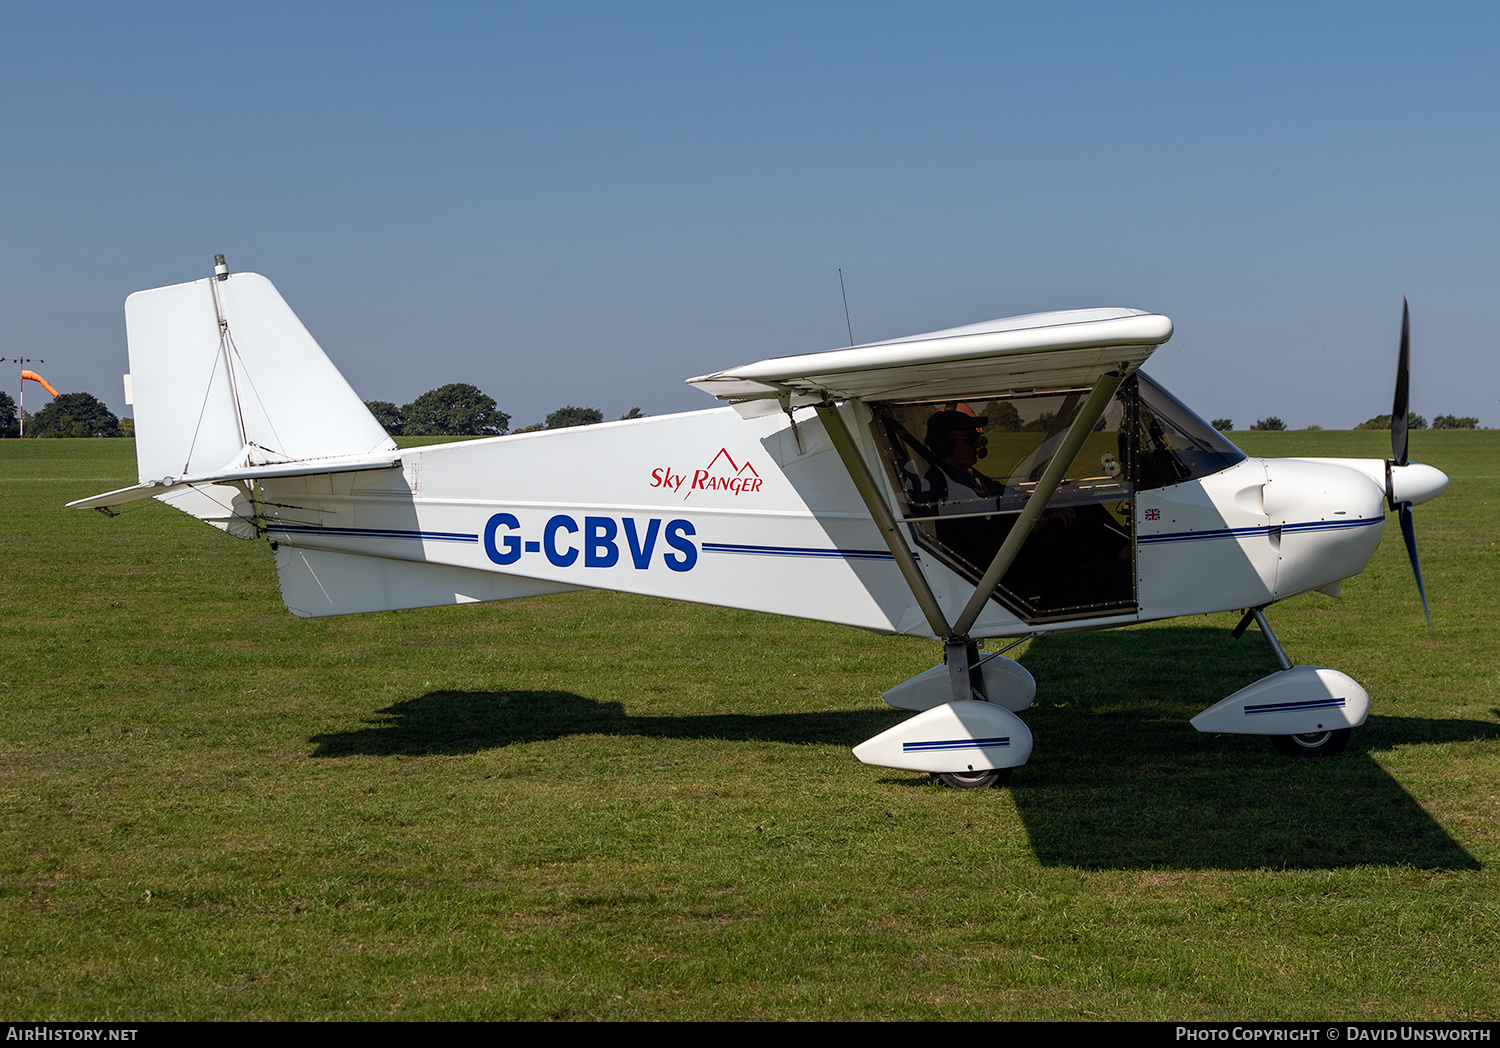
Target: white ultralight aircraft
point(1013, 478)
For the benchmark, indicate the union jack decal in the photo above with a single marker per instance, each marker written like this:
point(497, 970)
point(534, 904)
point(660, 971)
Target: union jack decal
point(1153, 514)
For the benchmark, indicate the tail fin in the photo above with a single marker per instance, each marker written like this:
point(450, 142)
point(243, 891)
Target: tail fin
point(224, 376)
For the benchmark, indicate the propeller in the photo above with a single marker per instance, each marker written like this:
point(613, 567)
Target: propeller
point(1399, 443)
point(1401, 408)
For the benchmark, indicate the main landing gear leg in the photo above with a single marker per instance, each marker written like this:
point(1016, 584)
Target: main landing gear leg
point(962, 657)
point(967, 682)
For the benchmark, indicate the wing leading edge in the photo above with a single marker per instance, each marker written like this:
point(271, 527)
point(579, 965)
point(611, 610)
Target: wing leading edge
point(1061, 350)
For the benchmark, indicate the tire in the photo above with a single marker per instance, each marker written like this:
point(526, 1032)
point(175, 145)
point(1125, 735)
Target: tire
point(972, 780)
point(1313, 744)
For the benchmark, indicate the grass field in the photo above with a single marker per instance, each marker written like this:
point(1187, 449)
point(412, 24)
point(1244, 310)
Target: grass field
point(599, 806)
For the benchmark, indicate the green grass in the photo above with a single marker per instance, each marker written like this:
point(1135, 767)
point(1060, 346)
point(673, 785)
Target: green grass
point(599, 806)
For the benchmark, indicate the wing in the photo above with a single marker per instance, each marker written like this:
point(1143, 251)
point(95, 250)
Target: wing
point(1062, 350)
point(1092, 349)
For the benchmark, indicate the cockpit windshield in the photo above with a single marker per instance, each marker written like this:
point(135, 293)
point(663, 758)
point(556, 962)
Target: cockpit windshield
point(1175, 444)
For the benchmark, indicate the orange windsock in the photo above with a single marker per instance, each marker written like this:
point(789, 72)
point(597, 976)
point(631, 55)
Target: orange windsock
point(38, 378)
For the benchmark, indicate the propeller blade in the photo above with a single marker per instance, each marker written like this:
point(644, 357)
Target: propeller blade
point(1403, 384)
point(1410, 535)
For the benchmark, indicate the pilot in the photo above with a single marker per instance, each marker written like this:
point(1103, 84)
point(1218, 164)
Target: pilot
point(956, 442)
point(956, 439)
point(1074, 555)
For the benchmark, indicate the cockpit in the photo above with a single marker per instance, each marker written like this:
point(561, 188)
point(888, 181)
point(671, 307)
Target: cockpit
point(965, 469)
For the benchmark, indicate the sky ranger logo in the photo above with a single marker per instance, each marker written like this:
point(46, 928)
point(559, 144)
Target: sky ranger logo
point(722, 474)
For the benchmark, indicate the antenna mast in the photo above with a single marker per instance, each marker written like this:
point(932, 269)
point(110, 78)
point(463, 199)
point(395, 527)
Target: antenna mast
point(846, 306)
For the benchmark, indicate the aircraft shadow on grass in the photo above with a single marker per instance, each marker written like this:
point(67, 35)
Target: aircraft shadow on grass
point(471, 721)
point(1123, 782)
point(1126, 782)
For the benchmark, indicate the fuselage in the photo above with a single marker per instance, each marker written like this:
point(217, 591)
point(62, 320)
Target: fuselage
point(889, 529)
point(760, 514)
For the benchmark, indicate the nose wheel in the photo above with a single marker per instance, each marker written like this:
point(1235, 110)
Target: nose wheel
point(1313, 744)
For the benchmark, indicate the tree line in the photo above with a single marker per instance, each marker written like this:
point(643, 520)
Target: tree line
point(455, 410)
point(1413, 421)
point(461, 410)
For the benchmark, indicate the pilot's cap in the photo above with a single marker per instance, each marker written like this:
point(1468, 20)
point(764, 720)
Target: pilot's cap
point(946, 422)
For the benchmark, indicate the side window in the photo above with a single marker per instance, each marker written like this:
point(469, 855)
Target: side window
point(966, 468)
point(942, 452)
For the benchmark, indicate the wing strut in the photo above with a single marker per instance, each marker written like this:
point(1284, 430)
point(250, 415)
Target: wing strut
point(890, 530)
point(961, 653)
point(1067, 451)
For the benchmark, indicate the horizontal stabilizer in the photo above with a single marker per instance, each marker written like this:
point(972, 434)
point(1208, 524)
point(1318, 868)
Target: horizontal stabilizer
point(166, 485)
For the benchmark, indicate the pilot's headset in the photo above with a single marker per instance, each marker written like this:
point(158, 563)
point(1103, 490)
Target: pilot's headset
point(942, 426)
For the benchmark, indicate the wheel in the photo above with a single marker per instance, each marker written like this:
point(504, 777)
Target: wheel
point(1313, 744)
point(972, 780)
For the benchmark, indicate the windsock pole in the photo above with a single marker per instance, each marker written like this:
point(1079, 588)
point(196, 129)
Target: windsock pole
point(34, 377)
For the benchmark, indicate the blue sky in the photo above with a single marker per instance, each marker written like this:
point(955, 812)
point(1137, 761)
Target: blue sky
point(588, 203)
